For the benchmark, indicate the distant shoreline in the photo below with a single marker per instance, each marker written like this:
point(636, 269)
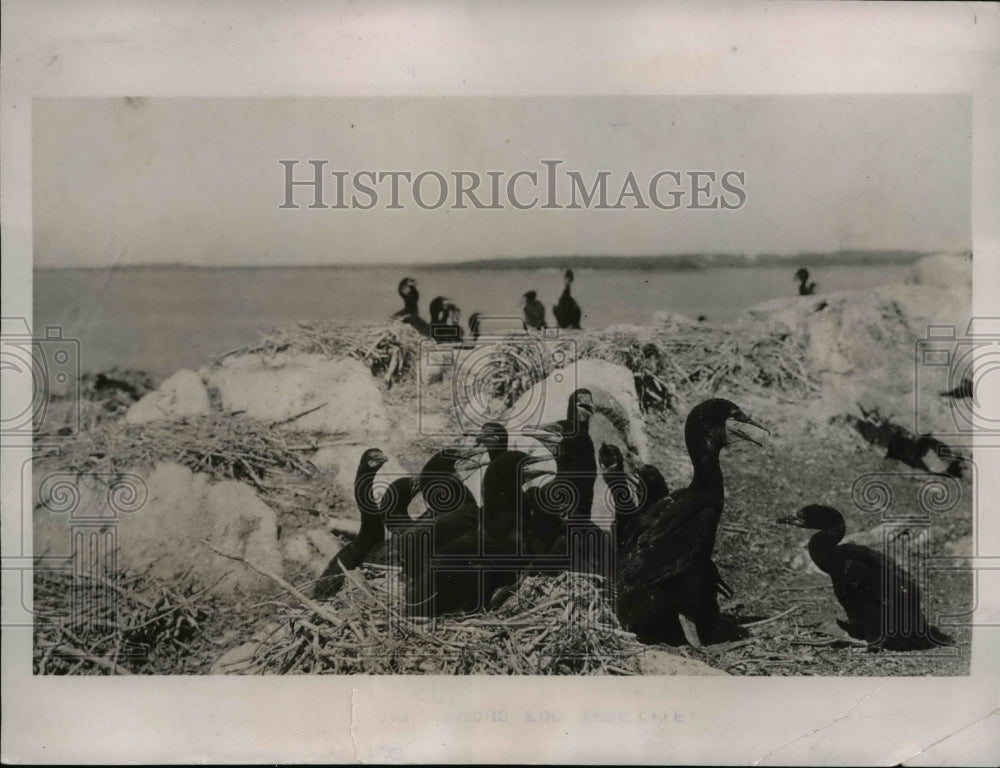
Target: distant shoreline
point(639, 263)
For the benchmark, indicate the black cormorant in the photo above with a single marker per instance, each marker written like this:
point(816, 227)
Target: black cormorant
point(667, 581)
point(474, 326)
point(883, 604)
point(445, 320)
point(619, 485)
point(372, 529)
point(567, 311)
point(570, 495)
point(410, 313)
point(534, 311)
point(805, 289)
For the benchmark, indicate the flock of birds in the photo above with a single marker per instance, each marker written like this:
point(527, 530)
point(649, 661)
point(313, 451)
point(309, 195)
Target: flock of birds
point(446, 318)
point(656, 557)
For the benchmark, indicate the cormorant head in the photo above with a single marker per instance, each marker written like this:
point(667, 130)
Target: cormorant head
point(372, 459)
point(568, 276)
point(396, 499)
point(581, 406)
point(653, 486)
point(493, 436)
point(530, 296)
point(815, 516)
point(406, 286)
point(610, 458)
point(802, 275)
point(713, 423)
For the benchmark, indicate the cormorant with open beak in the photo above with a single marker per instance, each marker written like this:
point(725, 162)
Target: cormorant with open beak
point(667, 581)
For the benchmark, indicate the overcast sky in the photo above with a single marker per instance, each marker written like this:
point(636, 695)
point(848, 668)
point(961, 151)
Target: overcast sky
point(197, 181)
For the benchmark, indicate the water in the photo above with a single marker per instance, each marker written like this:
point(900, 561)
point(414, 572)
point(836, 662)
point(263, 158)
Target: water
point(162, 319)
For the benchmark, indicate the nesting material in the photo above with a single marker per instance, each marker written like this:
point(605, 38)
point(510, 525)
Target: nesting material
point(389, 350)
point(119, 624)
point(551, 625)
point(225, 446)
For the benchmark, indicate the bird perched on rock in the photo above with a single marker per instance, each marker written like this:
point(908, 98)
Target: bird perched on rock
point(534, 311)
point(805, 288)
point(445, 320)
point(410, 313)
point(567, 311)
point(667, 582)
point(883, 604)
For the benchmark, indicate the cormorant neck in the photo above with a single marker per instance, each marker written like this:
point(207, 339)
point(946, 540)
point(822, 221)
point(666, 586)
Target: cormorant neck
point(707, 470)
point(364, 497)
point(822, 546)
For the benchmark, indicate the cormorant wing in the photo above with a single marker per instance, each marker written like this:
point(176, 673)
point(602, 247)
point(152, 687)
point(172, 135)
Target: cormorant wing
point(865, 571)
point(683, 534)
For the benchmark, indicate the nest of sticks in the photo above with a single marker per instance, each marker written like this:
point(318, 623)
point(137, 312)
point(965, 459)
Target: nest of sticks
point(551, 625)
point(269, 456)
point(669, 362)
point(389, 350)
point(116, 624)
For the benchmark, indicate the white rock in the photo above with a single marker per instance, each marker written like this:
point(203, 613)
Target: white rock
point(657, 662)
point(158, 529)
point(181, 394)
point(343, 391)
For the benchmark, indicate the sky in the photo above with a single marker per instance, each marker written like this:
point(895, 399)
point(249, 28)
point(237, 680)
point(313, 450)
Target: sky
point(132, 181)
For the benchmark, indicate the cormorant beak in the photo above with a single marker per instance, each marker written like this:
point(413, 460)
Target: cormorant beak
point(792, 520)
point(744, 419)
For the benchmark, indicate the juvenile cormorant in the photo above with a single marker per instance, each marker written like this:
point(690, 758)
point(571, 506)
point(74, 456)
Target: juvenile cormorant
point(570, 495)
point(805, 289)
point(445, 320)
point(534, 311)
point(612, 464)
point(410, 313)
point(468, 539)
point(883, 604)
point(667, 581)
point(372, 530)
point(567, 311)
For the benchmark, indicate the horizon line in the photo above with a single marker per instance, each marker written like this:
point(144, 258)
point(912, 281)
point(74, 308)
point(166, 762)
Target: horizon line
point(674, 261)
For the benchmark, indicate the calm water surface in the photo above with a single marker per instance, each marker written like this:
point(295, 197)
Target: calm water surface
point(160, 320)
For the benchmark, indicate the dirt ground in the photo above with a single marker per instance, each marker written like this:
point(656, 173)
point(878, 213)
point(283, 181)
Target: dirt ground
point(768, 567)
point(786, 605)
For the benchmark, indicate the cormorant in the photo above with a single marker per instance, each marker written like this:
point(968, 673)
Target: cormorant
point(445, 320)
point(372, 530)
point(964, 389)
point(805, 289)
point(410, 313)
point(467, 539)
point(570, 495)
point(667, 581)
point(534, 311)
point(612, 464)
point(474, 326)
point(883, 604)
point(567, 311)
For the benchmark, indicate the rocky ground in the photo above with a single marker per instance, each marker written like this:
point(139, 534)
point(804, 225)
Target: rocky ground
point(286, 504)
